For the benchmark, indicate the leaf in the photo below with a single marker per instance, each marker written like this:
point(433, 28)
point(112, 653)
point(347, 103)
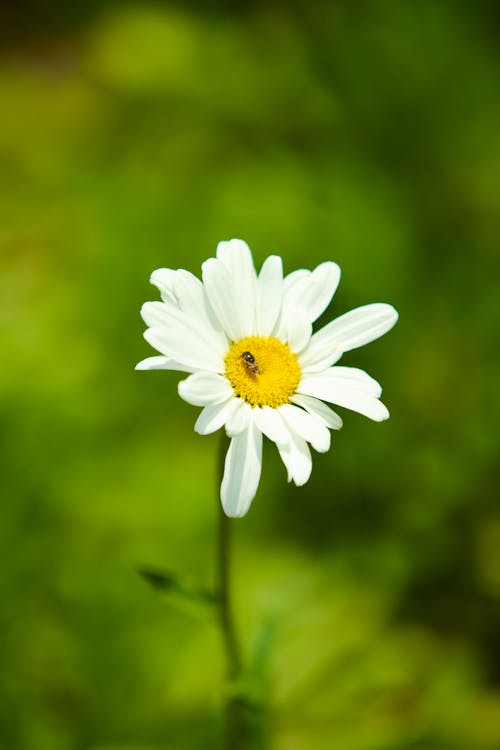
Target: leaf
point(184, 595)
point(159, 579)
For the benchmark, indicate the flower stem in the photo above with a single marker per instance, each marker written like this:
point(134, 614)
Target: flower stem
point(245, 729)
point(235, 720)
point(224, 595)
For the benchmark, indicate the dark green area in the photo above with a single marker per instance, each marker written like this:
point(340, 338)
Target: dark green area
point(134, 136)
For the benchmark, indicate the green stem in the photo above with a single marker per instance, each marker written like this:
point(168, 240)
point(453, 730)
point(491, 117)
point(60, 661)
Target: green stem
point(224, 595)
point(235, 720)
point(244, 727)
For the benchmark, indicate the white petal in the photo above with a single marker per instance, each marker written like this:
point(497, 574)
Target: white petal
point(155, 314)
point(188, 291)
point(332, 390)
point(318, 408)
point(160, 363)
point(203, 388)
point(212, 417)
point(319, 355)
point(236, 257)
point(185, 346)
point(193, 302)
point(239, 419)
point(353, 377)
point(293, 278)
point(296, 456)
point(298, 329)
point(357, 327)
point(269, 422)
point(163, 278)
point(315, 291)
point(306, 426)
point(289, 284)
point(167, 315)
point(220, 294)
point(242, 471)
point(180, 288)
point(269, 295)
point(195, 318)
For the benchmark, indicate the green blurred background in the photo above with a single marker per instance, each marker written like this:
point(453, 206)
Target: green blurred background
point(134, 136)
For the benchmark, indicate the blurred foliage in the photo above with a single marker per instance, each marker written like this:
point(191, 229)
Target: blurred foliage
point(135, 136)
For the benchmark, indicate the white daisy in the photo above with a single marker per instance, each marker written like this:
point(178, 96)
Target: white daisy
point(256, 366)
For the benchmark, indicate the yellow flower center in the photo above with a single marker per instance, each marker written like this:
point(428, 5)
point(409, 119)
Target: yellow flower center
point(262, 371)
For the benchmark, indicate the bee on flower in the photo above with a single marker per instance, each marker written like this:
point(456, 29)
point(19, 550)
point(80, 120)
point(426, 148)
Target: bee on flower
point(255, 365)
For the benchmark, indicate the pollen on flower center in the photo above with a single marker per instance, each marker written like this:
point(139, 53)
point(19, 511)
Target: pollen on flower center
point(262, 370)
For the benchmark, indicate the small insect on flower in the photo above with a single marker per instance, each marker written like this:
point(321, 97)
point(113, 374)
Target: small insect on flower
point(250, 362)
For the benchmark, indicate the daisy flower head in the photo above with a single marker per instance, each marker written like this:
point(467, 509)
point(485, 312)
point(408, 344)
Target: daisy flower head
point(256, 366)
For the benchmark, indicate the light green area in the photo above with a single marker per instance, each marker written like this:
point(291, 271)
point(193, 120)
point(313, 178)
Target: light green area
point(134, 136)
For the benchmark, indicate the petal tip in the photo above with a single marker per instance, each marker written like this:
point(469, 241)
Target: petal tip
point(181, 388)
point(384, 413)
point(300, 481)
point(149, 336)
point(235, 514)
